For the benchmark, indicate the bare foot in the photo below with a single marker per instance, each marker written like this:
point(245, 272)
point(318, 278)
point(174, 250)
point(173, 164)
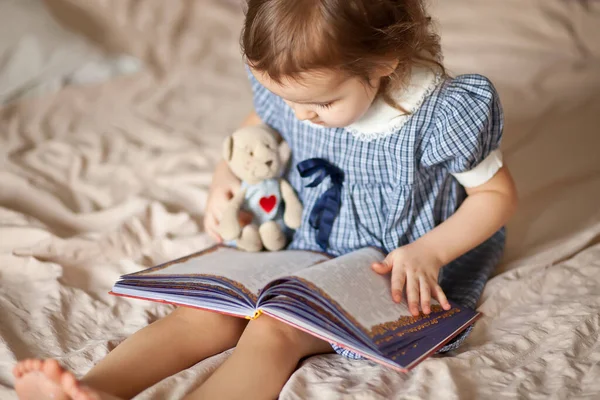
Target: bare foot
point(39, 380)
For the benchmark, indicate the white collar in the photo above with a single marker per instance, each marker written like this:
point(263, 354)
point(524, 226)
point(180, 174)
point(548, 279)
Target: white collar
point(382, 120)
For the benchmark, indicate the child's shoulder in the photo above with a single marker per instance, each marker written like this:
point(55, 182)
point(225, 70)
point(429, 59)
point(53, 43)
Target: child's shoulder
point(463, 90)
point(466, 123)
point(426, 97)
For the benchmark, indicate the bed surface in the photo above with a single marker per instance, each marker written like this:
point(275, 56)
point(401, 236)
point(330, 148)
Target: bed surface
point(98, 181)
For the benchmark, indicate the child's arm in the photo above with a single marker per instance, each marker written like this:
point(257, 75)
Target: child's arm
point(486, 209)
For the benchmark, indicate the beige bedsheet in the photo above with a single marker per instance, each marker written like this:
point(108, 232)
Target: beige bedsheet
point(100, 181)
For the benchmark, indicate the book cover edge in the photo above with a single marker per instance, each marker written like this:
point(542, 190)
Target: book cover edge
point(257, 313)
point(428, 354)
point(183, 305)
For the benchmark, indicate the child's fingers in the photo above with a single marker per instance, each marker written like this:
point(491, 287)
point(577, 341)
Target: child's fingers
point(233, 187)
point(215, 235)
point(398, 280)
point(412, 294)
point(425, 295)
point(209, 223)
point(211, 227)
point(440, 296)
point(217, 211)
point(381, 268)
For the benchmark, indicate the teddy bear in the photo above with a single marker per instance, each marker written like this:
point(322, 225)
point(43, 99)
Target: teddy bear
point(257, 159)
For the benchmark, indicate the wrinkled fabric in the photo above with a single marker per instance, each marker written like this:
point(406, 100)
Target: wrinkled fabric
point(100, 181)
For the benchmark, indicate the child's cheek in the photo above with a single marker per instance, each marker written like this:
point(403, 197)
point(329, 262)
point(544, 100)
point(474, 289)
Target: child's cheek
point(344, 115)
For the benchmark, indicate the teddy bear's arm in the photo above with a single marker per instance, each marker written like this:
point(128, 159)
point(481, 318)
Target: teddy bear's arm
point(292, 216)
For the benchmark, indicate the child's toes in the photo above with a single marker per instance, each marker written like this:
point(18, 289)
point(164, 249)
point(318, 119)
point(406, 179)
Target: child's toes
point(52, 369)
point(28, 365)
point(68, 382)
point(36, 365)
point(38, 380)
point(21, 368)
point(18, 370)
point(33, 364)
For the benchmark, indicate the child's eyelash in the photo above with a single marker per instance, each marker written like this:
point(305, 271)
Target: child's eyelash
point(328, 105)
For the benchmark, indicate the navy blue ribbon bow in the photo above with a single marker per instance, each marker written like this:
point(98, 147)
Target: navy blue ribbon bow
point(328, 204)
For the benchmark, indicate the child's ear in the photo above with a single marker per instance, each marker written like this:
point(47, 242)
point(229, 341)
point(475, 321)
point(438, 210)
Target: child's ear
point(284, 153)
point(228, 148)
point(385, 69)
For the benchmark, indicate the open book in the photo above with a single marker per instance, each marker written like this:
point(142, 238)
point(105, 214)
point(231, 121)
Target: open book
point(340, 300)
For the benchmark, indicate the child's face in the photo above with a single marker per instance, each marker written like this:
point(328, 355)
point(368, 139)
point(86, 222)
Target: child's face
point(326, 98)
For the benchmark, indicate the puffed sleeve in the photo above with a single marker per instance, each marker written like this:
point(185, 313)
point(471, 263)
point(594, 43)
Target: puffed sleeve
point(467, 131)
point(267, 105)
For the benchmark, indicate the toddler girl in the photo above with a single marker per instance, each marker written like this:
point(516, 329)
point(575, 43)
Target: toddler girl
point(357, 89)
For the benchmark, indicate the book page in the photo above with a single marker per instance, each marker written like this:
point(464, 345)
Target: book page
point(351, 283)
point(252, 270)
point(344, 300)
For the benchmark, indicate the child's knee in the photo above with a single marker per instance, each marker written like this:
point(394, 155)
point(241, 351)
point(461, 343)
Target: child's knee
point(197, 320)
point(277, 337)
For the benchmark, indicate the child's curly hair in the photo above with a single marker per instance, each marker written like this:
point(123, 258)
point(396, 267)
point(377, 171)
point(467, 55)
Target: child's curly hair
point(286, 37)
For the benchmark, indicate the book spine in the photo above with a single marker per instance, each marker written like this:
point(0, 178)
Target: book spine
point(256, 314)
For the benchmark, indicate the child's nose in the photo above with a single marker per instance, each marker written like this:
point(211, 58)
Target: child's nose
point(303, 114)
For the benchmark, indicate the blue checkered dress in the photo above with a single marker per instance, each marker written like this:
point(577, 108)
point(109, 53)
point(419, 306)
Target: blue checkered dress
point(399, 187)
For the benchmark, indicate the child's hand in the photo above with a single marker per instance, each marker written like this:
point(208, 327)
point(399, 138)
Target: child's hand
point(224, 185)
point(416, 268)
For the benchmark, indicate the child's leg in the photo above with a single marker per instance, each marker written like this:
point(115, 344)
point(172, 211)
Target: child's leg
point(464, 278)
point(163, 348)
point(266, 355)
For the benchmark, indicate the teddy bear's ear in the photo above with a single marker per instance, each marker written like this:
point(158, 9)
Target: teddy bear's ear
point(228, 148)
point(284, 152)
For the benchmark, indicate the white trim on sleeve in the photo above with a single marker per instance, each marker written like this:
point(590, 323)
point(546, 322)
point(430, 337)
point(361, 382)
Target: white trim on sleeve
point(483, 172)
